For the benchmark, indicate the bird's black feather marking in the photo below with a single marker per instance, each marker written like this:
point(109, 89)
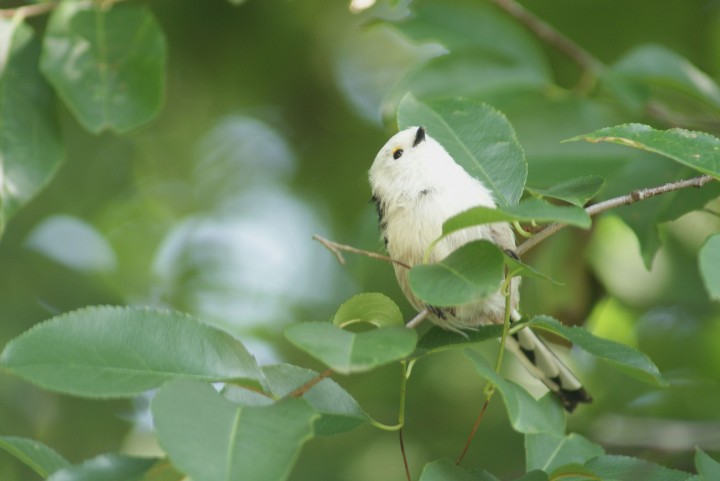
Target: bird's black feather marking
point(382, 222)
point(419, 136)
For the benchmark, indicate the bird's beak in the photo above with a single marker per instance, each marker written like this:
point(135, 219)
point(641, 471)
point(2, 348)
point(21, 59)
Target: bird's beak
point(419, 136)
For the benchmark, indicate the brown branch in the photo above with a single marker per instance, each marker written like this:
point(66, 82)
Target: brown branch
point(404, 455)
point(337, 249)
point(310, 384)
point(631, 198)
point(546, 32)
point(472, 433)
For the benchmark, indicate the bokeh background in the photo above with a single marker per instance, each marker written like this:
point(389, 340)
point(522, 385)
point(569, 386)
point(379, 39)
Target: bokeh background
point(274, 111)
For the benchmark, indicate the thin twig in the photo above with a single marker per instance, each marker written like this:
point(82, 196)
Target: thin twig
point(549, 34)
point(415, 321)
point(404, 455)
point(34, 10)
point(472, 433)
point(337, 249)
point(310, 384)
point(631, 198)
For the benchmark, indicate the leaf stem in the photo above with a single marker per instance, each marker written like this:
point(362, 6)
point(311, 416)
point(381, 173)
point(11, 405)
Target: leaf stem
point(310, 384)
point(401, 416)
point(631, 198)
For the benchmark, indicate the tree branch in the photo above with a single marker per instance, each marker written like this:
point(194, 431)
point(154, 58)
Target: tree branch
point(337, 249)
point(631, 198)
point(546, 32)
point(310, 384)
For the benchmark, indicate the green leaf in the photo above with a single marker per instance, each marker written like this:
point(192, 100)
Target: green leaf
point(30, 144)
point(573, 472)
point(527, 415)
point(106, 467)
point(437, 338)
point(519, 268)
point(576, 191)
point(532, 210)
point(697, 150)
point(550, 451)
point(212, 439)
point(624, 358)
point(709, 258)
point(445, 470)
point(371, 307)
point(624, 468)
point(468, 274)
point(121, 352)
point(40, 458)
point(106, 64)
point(340, 412)
point(706, 466)
point(350, 352)
point(478, 137)
point(533, 476)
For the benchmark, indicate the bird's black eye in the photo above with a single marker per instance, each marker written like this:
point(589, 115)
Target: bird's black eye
point(397, 153)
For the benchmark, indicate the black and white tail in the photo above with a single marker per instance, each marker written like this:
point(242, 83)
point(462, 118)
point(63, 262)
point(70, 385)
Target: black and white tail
point(548, 368)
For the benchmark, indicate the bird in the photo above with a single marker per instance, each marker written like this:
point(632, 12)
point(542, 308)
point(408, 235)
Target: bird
point(416, 186)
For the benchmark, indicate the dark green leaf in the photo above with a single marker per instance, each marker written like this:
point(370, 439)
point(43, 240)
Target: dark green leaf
point(340, 412)
point(533, 476)
point(107, 64)
point(120, 352)
point(706, 466)
point(349, 352)
point(575, 191)
point(445, 470)
point(370, 307)
point(709, 258)
point(477, 136)
point(42, 459)
point(624, 358)
point(623, 468)
point(468, 274)
point(535, 210)
point(30, 144)
point(437, 338)
point(697, 150)
point(519, 268)
point(106, 467)
point(550, 451)
point(212, 439)
point(527, 415)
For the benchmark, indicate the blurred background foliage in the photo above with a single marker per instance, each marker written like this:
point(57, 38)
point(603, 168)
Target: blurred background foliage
point(273, 113)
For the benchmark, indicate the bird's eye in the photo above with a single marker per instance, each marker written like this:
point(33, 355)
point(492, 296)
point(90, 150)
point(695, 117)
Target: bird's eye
point(397, 153)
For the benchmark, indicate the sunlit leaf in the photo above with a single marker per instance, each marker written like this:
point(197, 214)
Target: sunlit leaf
point(40, 458)
point(697, 150)
point(624, 468)
point(550, 451)
point(468, 274)
point(477, 136)
point(575, 191)
point(120, 352)
point(370, 307)
point(709, 258)
point(30, 143)
point(706, 466)
point(535, 210)
point(340, 412)
point(106, 467)
point(106, 63)
point(527, 415)
point(213, 439)
point(348, 352)
point(622, 357)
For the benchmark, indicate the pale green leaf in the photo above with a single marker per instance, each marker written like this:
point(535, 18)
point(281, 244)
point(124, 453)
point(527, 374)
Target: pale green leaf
point(622, 357)
point(527, 415)
point(697, 150)
point(40, 458)
point(706, 466)
point(107, 467)
point(478, 137)
point(107, 64)
point(709, 258)
point(213, 439)
point(370, 307)
point(120, 352)
point(550, 451)
point(624, 468)
point(349, 352)
point(467, 275)
point(445, 470)
point(576, 191)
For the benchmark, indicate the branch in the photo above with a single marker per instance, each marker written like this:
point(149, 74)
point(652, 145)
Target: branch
point(310, 384)
point(545, 31)
point(34, 10)
point(631, 198)
point(337, 249)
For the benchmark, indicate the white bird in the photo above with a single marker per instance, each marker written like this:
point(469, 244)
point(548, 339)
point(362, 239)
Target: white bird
point(416, 186)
